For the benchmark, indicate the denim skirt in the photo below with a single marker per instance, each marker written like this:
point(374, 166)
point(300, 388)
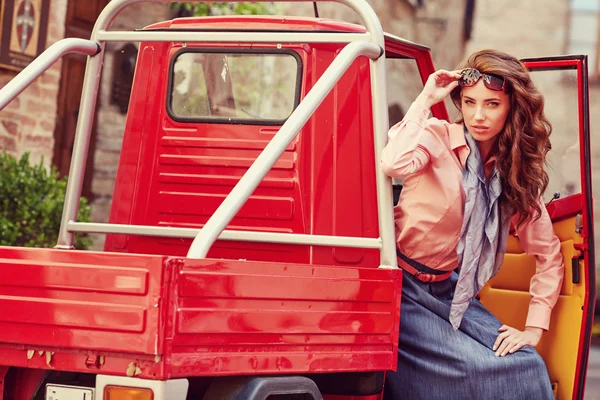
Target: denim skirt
point(436, 362)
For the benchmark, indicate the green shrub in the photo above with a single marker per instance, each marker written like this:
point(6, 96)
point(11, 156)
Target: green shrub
point(31, 204)
point(224, 8)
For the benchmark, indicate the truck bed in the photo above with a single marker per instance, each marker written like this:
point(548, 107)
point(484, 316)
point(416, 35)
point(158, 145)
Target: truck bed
point(163, 317)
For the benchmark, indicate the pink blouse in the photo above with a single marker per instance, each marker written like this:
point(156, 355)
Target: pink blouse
point(430, 154)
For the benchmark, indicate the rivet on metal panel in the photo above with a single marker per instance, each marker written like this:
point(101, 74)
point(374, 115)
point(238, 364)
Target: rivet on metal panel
point(92, 361)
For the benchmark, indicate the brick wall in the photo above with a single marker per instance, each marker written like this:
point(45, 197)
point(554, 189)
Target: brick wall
point(27, 123)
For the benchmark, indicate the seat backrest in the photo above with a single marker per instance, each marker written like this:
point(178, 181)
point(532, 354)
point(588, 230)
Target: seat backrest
point(175, 173)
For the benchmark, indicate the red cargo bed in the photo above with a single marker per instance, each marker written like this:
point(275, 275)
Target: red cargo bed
point(164, 317)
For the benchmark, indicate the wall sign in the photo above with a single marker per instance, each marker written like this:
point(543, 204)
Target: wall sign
point(23, 32)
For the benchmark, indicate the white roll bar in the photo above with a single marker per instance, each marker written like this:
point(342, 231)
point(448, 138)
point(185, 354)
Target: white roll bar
point(42, 62)
point(369, 44)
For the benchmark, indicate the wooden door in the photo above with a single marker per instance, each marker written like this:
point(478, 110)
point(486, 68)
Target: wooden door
point(81, 16)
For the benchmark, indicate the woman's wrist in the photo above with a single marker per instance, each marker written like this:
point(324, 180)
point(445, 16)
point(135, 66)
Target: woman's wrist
point(425, 100)
point(536, 331)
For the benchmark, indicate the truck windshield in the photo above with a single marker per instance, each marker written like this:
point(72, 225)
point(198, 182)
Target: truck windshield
point(234, 86)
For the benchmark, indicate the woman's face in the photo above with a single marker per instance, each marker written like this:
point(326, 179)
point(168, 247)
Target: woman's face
point(484, 111)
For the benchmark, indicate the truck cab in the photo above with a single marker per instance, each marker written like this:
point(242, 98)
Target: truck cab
point(250, 250)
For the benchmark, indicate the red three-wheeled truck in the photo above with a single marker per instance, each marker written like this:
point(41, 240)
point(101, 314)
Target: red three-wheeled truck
point(250, 251)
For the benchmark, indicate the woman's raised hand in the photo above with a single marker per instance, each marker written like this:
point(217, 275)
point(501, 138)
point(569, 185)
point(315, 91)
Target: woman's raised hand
point(438, 86)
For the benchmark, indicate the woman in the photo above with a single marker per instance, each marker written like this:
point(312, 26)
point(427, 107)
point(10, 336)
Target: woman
point(463, 185)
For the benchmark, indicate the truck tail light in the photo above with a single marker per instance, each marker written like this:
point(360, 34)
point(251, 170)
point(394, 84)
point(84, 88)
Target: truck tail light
point(127, 393)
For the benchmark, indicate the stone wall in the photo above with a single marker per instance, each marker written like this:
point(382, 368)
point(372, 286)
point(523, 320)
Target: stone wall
point(27, 123)
point(110, 121)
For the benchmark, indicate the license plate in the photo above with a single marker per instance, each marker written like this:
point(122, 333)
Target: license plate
point(63, 392)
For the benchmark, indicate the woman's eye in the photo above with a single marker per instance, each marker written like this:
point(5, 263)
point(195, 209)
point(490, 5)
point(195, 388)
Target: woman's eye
point(493, 104)
point(468, 101)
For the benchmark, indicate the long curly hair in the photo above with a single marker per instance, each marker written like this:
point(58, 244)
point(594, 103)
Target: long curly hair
point(522, 145)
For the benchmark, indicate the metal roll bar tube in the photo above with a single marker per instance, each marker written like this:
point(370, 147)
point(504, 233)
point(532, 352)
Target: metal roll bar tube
point(41, 63)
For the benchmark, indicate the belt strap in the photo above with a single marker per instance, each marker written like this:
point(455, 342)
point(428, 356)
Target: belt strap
point(422, 276)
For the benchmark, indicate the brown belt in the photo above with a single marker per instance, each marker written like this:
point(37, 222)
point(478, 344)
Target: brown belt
point(422, 276)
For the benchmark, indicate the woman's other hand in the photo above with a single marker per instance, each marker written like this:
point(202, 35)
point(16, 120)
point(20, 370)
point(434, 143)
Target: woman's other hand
point(510, 339)
point(438, 87)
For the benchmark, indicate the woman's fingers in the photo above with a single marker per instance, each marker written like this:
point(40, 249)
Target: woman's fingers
point(444, 78)
point(511, 342)
point(504, 345)
point(517, 346)
point(452, 85)
point(439, 85)
point(500, 339)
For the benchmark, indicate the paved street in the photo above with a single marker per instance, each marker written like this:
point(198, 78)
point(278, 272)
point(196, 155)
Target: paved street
point(592, 388)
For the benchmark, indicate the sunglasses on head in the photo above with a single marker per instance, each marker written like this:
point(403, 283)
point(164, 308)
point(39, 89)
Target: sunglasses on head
point(470, 76)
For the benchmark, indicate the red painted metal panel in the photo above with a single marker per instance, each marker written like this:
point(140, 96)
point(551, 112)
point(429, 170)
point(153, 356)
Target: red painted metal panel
point(61, 359)
point(201, 204)
point(217, 161)
point(235, 317)
point(79, 300)
point(566, 207)
point(68, 276)
point(274, 23)
point(21, 310)
point(249, 284)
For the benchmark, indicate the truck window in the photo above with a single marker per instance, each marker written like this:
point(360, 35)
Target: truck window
point(561, 108)
point(403, 86)
point(234, 86)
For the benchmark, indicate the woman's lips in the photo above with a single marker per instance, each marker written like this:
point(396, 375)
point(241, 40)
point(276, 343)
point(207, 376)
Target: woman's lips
point(479, 128)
